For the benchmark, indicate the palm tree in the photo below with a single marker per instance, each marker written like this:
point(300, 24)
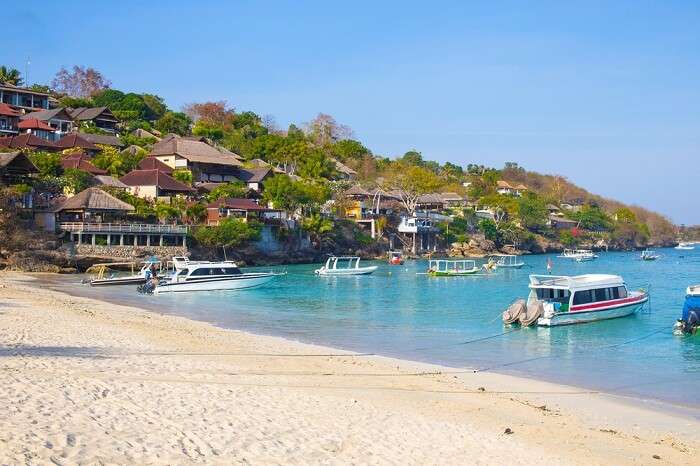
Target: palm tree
point(10, 76)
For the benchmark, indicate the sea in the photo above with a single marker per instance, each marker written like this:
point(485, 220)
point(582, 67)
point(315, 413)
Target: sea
point(399, 311)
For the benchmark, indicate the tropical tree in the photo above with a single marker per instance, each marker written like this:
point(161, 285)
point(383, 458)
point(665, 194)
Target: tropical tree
point(196, 213)
point(318, 227)
point(80, 81)
point(48, 163)
point(174, 122)
point(76, 180)
point(183, 175)
point(230, 232)
point(410, 182)
point(532, 211)
point(233, 190)
point(10, 76)
point(316, 165)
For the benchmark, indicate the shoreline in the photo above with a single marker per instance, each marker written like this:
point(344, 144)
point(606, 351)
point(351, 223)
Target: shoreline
point(594, 422)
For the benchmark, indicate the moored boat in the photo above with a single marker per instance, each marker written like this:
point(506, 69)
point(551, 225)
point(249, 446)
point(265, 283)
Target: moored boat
point(104, 274)
point(565, 300)
point(508, 261)
point(648, 255)
point(579, 255)
point(350, 265)
point(689, 323)
point(212, 276)
point(451, 268)
point(395, 257)
point(685, 246)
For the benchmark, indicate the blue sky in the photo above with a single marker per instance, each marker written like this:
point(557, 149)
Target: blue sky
point(605, 93)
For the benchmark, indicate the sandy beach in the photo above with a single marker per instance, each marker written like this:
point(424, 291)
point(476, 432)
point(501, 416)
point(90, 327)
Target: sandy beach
point(89, 382)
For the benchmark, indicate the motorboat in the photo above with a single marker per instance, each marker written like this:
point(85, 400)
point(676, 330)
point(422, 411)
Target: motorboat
point(648, 255)
point(508, 261)
point(451, 268)
point(212, 276)
point(565, 300)
point(183, 262)
point(685, 246)
point(579, 255)
point(347, 265)
point(689, 323)
point(395, 257)
point(104, 274)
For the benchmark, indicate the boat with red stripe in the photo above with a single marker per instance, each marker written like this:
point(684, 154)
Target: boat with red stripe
point(566, 300)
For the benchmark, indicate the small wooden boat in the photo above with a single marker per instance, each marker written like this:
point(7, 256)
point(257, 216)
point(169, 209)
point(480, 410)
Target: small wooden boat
point(451, 268)
point(689, 323)
point(341, 266)
point(508, 261)
point(395, 257)
point(648, 255)
point(563, 300)
point(105, 274)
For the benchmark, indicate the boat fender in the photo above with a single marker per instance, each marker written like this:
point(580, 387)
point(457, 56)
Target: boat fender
point(513, 312)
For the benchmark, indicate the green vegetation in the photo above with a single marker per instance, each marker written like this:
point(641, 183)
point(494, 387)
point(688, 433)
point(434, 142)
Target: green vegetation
point(229, 232)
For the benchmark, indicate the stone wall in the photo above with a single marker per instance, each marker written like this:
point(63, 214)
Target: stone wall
point(130, 252)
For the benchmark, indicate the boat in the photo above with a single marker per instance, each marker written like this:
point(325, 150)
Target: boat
point(395, 257)
point(579, 255)
point(689, 323)
point(349, 265)
point(183, 262)
point(212, 276)
point(508, 261)
point(105, 275)
point(649, 255)
point(451, 268)
point(565, 300)
point(685, 246)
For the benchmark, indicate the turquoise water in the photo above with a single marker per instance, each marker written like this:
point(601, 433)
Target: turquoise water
point(396, 312)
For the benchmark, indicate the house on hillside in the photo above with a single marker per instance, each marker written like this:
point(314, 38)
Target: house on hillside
point(206, 162)
point(561, 223)
point(76, 141)
point(573, 205)
point(344, 172)
point(23, 98)
point(27, 141)
point(15, 168)
point(9, 118)
point(36, 127)
point(154, 184)
point(152, 163)
point(103, 139)
point(109, 182)
point(81, 161)
point(453, 200)
point(243, 209)
point(143, 134)
point(554, 210)
point(430, 202)
point(508, 189)
point(57, 118)
point(100, 117)
point(254, 177)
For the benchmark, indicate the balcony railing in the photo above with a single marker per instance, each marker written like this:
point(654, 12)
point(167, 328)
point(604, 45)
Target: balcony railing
point(137, 228)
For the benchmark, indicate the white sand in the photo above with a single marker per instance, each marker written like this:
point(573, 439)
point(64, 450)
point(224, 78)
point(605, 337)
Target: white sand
point(90, 382)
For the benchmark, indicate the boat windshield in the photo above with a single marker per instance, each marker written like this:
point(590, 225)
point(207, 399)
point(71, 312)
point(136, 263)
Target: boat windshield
point(216, 271)
point(553, 295)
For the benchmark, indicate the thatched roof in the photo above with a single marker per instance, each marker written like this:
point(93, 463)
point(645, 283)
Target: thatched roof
point(194, 150)
point(357, 190)
point(94, 199)
point(17, 162)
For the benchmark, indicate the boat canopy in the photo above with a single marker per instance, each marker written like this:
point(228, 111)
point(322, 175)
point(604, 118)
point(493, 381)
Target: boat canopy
point(443, 265)
point(577, 282)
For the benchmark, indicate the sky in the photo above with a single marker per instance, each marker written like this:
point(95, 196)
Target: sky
point(604, 93)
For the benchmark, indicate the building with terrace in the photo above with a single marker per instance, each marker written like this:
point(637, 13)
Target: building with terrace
point(23, 98)
point(57, 118)
point(99, 117)
point(206, 162)
point(9, 118)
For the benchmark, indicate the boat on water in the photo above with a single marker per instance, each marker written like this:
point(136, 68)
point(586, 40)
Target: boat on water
point(451, 268)
point(395, 257)
point(649, 255)
point(349, 265)
point(565, 300)
point(105, 274)
point(508, 261)
point(183, 262)
point(689, 323)
point(579, 255)
point(685, 246)
point(211, 276)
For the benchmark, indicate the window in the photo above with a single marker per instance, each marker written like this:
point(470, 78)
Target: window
point(600, 294)
point(583, 297)
point(622, 291)
point(200, 272)
point(552, 294)
point(231, 271)
point(614, 293)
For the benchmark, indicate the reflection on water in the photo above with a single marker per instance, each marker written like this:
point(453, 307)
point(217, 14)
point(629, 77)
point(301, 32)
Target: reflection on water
point(398, 312)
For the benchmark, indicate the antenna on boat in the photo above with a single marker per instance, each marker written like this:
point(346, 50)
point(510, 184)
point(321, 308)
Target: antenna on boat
point(224, 248)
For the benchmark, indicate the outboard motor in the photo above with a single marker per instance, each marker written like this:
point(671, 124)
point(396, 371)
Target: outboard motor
point(690, 321)
point(146, 288)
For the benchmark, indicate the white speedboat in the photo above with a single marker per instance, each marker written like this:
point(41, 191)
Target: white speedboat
point(649, 255)
point(508, 261)
point(182, 262)
point(563, 300)
point(579, 255)
point(685, 246)
point(213, 276)
point(344, 266)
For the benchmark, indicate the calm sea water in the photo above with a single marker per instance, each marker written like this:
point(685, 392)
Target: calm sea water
point(396, 312)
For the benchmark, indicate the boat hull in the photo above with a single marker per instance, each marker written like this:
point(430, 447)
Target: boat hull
point(453, 274)
point(346, 272)
point(506, 266)
point(238, 282)
point(593, 315)
point(118, 281)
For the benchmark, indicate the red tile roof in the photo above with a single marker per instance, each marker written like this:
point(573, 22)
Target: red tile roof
point(152, 163)
point(26, 141)
point(154, 178)
point(237, 203)
point(80, 162)
point(6, 110)
point(33, 123)
point(74, 140)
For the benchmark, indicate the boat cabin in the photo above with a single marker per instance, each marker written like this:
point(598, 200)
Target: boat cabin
point(444, 267)
point(206, 271)
point(575, 293)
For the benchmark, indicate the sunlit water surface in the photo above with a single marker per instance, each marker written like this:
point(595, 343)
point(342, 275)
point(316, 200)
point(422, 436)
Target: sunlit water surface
point(399, 312)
